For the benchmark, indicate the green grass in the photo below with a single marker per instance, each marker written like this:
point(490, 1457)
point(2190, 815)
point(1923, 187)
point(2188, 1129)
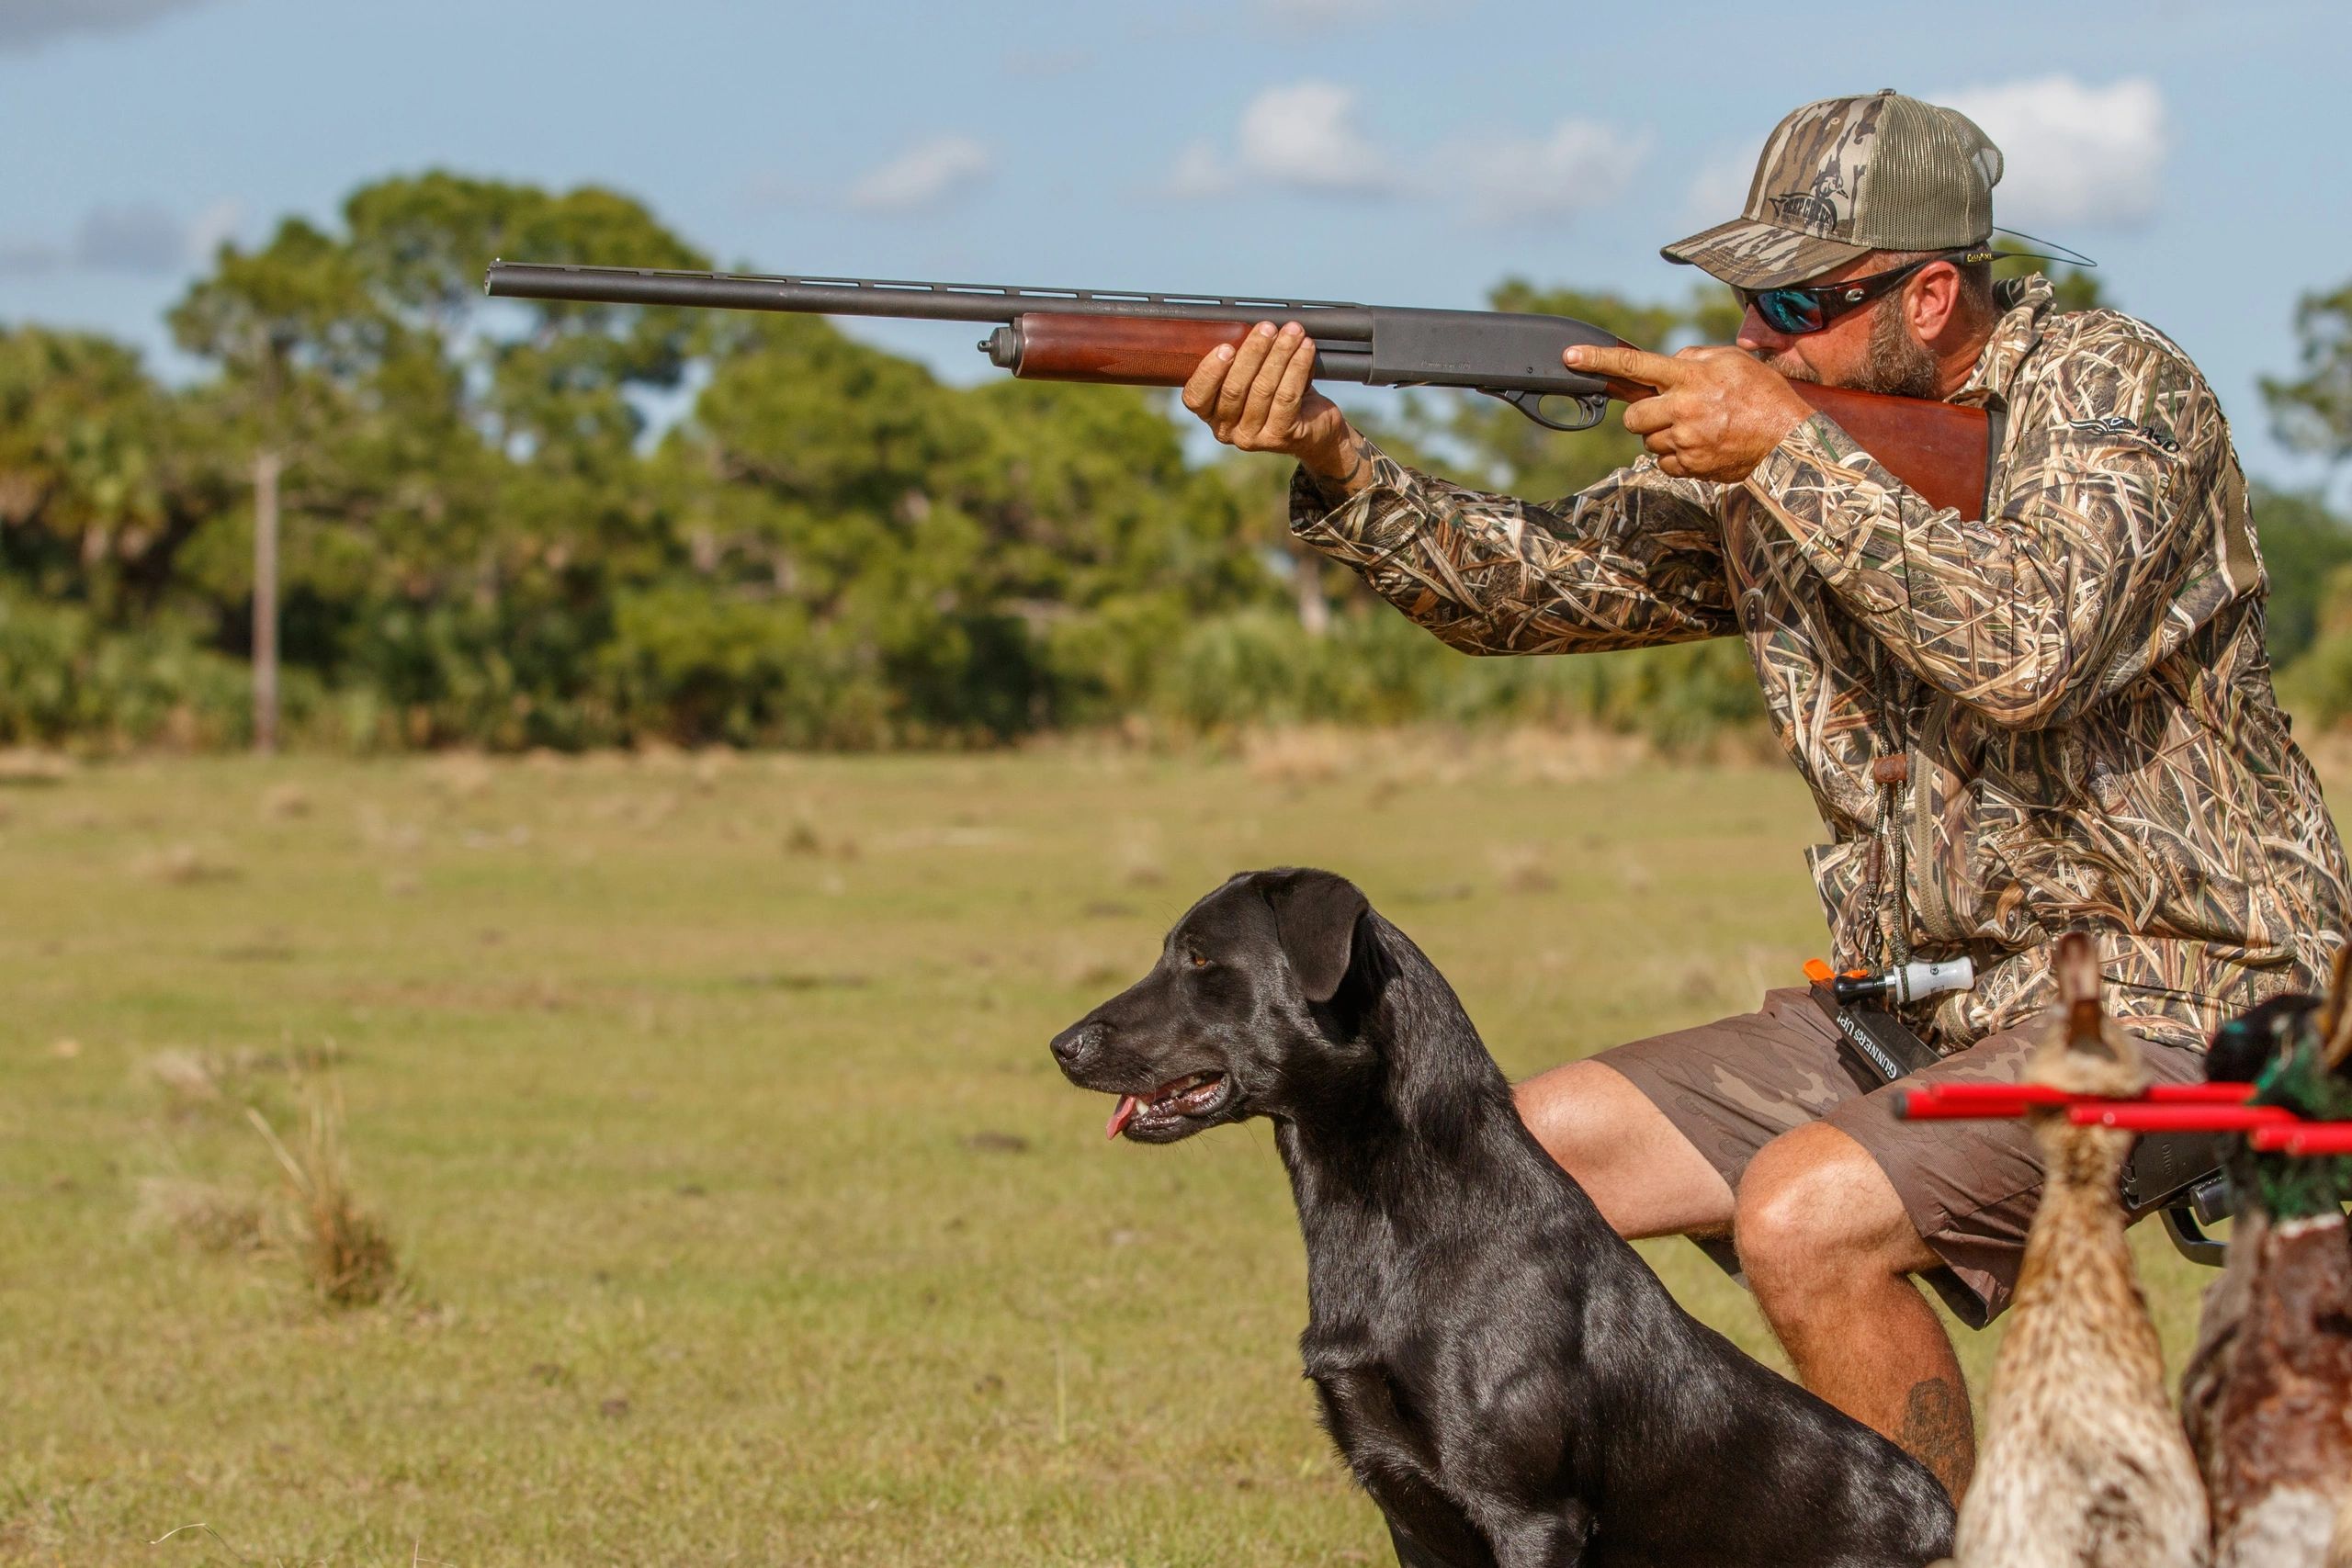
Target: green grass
point(665, 1076)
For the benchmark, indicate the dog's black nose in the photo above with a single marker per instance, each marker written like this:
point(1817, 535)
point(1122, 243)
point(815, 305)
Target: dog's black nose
point(1080, 1041)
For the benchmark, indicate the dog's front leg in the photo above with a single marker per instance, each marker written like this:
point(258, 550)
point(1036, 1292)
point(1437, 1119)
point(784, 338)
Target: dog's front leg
point(1392, 1462)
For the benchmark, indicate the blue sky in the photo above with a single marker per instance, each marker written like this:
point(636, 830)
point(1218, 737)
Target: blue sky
point(1405, 152)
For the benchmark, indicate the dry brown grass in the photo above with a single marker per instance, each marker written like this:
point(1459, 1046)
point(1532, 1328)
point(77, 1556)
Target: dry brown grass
point(284, 802)
point(712, 764)
point(1306, 756)
point(194, 1081)
point(1138, 856)
point(1521, 869)
point(460, 775)
point(378, 831)
point(23, 765)
point(199, 1214)
point(347, 1251)
point(189, 1080)
point(185, 865)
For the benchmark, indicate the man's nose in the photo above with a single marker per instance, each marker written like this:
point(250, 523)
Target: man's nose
point(1073, 1045)
point(1757, 335)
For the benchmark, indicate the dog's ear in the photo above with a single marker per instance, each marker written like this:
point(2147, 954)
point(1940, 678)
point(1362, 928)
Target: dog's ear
point(1314, 917)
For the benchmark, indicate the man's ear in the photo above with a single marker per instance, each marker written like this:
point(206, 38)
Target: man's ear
point(1314, 917)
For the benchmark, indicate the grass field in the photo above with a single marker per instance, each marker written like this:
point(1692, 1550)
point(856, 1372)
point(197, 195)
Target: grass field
point(744, 1217)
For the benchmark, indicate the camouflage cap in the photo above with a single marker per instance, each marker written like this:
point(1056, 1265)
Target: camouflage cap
point(1846, 176)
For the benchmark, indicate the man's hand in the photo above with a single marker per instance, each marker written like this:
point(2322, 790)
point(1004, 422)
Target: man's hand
point(1717, 413)
point(1260, 398)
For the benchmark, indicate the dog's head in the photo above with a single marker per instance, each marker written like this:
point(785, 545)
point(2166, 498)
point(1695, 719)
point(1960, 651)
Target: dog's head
point(1226, 1025)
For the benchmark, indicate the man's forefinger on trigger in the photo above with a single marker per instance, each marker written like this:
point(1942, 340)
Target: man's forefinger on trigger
point(1625, 363)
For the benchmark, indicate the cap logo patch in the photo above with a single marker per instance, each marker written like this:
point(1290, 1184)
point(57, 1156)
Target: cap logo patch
point(1826, 206)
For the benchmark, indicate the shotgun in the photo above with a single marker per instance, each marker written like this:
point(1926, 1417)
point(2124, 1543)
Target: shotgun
point(1942, 451)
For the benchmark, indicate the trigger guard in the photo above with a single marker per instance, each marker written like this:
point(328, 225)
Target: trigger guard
point(1590, 409)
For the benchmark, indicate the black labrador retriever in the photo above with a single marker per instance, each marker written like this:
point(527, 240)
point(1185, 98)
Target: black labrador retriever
point(1506, 1377)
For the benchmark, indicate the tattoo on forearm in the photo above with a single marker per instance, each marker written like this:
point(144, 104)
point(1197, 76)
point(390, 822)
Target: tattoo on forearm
point(1938, 1432)
point(1355, 470)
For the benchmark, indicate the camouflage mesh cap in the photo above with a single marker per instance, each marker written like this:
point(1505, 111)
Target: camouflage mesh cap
point(1846, 176)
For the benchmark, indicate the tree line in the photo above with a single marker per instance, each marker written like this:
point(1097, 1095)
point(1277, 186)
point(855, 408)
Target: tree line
point(508, 525)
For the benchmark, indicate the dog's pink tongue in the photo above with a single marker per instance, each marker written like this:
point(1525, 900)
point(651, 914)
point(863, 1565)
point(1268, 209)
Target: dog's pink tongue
point(1119, 1118)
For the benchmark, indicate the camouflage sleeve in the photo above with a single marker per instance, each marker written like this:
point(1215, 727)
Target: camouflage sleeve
point(1635, 560)
point(2112, 538)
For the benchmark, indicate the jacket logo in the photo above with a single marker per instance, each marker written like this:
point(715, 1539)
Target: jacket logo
point(2118, 426)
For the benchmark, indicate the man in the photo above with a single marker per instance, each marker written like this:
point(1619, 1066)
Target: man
point(2058, 718)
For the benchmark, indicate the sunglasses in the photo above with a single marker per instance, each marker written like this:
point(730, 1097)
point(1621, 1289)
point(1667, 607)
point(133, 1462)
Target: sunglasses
point(1808, 308)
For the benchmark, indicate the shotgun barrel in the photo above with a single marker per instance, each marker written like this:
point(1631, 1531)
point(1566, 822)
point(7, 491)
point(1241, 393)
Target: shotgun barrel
point(1135, 338)
point(1941, 450)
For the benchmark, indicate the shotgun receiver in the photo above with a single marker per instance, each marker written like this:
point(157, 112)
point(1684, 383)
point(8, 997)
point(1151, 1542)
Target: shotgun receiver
point(1942, 451)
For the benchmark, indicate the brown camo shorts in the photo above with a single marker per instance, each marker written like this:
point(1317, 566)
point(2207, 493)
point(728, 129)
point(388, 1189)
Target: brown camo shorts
point(1970, 1188)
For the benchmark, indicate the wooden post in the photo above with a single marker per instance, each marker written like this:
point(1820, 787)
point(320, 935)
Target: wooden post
point(266, 464)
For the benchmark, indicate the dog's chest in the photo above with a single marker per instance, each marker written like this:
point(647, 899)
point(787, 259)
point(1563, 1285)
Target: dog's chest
point(1400, 1387)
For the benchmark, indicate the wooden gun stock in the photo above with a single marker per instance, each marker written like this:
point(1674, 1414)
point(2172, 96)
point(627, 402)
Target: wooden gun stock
point(1940, 450)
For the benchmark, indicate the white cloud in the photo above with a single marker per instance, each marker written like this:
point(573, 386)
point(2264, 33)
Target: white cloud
point(140, 238)
point(26, 24)
point(923, 176)
point(1305, 136)
point(2076, 154)
point(1198, 174)
point(1580, 164)
point(30, 258)
point(1719, 189)
point(212, 227)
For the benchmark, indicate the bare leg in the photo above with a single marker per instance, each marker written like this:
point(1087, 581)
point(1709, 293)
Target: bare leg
point(1645, 1177)
point(1828, 1251)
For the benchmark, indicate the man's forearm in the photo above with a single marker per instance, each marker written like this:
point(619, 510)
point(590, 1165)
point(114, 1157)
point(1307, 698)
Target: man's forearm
point(1346, 471)
point(1634, 560)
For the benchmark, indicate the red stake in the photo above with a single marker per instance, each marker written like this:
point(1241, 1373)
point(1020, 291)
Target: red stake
point(2136, 1117)
point(1959, 1094)
point(2309, 1138)
point(2165, 1108)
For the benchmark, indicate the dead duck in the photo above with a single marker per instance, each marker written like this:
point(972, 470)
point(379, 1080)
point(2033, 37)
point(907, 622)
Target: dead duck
point(2267, 1396)
point(2084, 1464)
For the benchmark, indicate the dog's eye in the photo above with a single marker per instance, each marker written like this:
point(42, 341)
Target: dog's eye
point(1197, 961)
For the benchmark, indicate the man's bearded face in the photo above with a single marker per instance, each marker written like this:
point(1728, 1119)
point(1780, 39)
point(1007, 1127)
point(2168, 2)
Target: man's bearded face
point(1899, 364)
point(1872, 350)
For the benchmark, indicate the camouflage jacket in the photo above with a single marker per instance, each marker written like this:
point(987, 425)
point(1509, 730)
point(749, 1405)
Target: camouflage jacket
point(2076, 684)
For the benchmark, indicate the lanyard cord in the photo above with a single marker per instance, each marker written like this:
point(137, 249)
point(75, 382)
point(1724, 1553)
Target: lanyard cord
point(1891, 770)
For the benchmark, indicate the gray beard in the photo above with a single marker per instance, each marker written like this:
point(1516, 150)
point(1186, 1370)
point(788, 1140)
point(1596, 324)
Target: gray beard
point(1896, 363)
point(1899, 366)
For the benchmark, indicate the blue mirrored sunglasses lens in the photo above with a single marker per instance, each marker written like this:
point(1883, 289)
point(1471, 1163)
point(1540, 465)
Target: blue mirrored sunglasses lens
point(1788, 311)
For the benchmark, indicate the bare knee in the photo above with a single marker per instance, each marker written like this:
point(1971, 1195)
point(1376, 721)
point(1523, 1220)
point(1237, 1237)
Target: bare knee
point(1574, 1113)
point(1816, 1214)
point(1642, 1173)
